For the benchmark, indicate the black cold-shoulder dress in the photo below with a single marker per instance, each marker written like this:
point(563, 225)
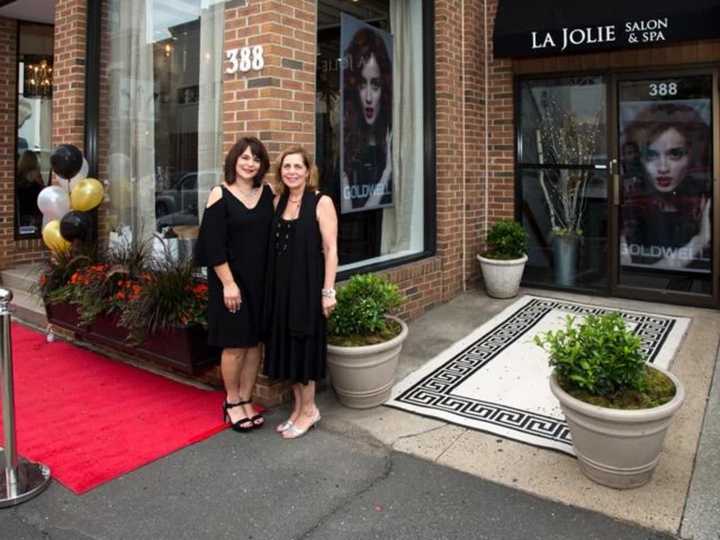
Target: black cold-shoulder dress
point(233, 233)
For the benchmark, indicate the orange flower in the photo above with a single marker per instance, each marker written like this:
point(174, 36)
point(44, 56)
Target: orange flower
point(43, 280)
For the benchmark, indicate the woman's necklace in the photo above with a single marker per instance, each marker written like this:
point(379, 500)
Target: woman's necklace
point(247, 193)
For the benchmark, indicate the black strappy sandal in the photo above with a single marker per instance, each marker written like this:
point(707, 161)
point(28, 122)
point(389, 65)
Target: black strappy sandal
point(242, 425)
point(258, 421)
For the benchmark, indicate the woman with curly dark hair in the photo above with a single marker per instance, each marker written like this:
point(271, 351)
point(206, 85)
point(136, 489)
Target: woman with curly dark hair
point(367, 117)
point(666, 219)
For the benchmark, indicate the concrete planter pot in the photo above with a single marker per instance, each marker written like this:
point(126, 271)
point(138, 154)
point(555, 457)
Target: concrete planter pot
point(363, 376)
point(502, 277)
point(618, 448)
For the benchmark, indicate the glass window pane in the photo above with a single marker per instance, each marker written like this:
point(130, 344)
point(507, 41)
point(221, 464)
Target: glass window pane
point(666, 164)
point(34, 116)
point(165, 130)
point(563, 121)
point(394, 226)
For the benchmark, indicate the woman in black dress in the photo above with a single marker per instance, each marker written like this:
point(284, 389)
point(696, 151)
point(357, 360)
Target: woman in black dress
point(302, 262)
point(233, 245)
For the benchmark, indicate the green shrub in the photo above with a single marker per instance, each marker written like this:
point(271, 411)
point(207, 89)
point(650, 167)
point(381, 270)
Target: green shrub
point(362, 305)
point(600, 356)
point(506, 239)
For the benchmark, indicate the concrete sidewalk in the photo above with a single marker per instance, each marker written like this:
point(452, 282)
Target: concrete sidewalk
point(658, 505)
point(388, 474)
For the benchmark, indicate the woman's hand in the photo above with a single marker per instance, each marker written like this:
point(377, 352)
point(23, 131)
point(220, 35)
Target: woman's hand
point(387, 173)
point(231, 297)
point(328, 305)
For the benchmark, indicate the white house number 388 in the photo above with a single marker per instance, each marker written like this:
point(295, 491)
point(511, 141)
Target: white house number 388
point(245, 59)
point(662, 89)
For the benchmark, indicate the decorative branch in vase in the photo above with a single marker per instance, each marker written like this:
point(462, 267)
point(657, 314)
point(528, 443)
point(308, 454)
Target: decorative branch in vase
point(566, 141)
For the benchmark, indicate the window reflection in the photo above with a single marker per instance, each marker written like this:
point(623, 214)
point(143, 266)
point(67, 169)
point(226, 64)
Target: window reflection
point(34, 124)
point(165, 130)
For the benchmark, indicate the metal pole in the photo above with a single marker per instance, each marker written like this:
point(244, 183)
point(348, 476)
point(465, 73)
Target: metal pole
point(20, 480)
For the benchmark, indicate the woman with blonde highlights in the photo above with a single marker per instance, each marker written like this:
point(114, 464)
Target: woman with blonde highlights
point(300, 294)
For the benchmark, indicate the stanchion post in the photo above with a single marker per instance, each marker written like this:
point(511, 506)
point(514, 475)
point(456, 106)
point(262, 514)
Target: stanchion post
point(20, 480)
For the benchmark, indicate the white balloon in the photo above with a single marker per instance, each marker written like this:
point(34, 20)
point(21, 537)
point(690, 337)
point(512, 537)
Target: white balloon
point(82, 173)
point(53, 202)
point(64, 184)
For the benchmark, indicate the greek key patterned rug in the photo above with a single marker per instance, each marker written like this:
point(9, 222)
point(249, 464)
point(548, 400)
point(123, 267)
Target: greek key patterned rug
point(496, 379)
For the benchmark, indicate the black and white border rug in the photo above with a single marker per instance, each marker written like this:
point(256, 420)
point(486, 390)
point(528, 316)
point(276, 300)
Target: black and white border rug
point(496, 379)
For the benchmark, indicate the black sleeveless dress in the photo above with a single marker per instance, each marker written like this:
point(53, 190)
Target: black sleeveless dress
point(233, 233)
point(296, 343)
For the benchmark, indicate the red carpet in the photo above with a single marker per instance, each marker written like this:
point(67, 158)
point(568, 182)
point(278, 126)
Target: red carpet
point(92, 419)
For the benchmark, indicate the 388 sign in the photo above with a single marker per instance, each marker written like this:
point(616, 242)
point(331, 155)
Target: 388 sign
point(245, 59)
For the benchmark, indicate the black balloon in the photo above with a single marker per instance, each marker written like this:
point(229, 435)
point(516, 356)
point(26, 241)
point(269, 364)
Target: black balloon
point(66, 161)
point(75, 225)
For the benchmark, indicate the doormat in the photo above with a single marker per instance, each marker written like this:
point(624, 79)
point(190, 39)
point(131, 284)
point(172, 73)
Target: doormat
point(92, 419)
point(496, 379)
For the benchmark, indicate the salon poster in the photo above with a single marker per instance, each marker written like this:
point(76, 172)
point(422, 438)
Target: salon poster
point(366, 97)
point(666, 172)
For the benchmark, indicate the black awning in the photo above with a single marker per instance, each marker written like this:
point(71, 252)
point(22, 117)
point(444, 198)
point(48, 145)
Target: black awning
point(556, 27)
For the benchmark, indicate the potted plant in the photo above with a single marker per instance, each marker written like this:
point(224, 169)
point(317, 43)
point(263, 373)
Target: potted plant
point(570, 144)
point(504, 261)
point(364, 342)
point(618, 406)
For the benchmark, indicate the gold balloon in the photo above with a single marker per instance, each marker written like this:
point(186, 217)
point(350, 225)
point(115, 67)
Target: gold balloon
point(86, 194)
point(52, 237)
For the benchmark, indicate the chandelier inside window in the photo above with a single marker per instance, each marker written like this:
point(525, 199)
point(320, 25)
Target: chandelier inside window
point(38, 79)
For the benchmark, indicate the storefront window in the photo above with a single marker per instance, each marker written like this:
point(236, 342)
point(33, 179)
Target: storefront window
point(369, 126)
point(165, 133)
point(34, 117)
point(665, 140)
point(562, 162)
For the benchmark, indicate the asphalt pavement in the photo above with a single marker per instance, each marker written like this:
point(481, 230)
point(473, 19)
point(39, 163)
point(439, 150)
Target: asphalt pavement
point(326, 485)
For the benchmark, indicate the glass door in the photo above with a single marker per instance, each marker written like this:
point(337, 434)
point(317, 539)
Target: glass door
point(562, 144)
point(663, 187)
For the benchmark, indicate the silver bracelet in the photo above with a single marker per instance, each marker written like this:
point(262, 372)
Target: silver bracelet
point(328, 293)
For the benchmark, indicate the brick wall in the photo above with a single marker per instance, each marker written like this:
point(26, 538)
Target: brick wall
point(450, 137)
point(69, 73)
point(500, 148)
point(276, 104)
point(8, 115)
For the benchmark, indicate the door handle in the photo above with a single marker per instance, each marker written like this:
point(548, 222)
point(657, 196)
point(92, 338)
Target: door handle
point(615, 181)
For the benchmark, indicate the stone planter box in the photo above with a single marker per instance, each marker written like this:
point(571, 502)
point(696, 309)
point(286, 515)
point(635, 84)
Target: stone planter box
point(180, 349)
point(65, 316)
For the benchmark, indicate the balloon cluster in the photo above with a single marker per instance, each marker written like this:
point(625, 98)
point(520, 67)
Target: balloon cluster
point(66, 206)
